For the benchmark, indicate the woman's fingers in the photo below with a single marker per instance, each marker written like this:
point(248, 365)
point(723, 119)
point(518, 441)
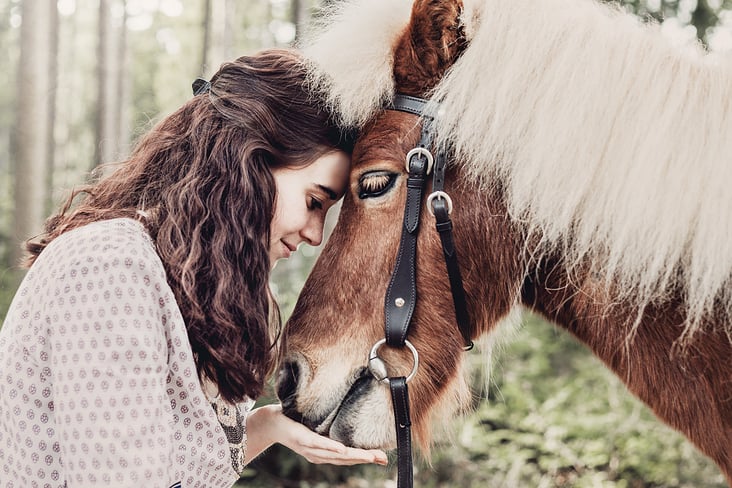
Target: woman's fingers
point(376, 456)
point(317, 448)
point(325, 444)
point(348, 457)
point(320, 449)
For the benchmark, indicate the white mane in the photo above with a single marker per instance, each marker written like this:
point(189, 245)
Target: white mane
point(351, 50)
point(613, 145)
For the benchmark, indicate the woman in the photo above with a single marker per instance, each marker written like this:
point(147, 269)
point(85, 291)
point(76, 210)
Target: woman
point(143, 328)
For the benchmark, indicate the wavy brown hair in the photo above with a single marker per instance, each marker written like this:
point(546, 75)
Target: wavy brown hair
point(203, 175)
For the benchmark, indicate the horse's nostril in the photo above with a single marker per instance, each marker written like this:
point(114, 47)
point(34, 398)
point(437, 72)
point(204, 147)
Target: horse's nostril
point(287, 383)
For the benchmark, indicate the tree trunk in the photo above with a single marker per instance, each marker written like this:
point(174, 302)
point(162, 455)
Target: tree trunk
point(31, 123)
point(229, 36)
point(122, 88)
point(703, 17)
point(105, 149)
point(206, 36)
point(53, 51)
point(300, 16)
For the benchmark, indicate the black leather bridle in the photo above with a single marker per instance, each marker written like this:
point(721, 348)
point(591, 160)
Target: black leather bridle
point(401, 295)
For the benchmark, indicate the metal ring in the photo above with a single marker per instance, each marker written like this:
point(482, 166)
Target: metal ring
point(424, 152)
point(373, 355)
point(439, 194)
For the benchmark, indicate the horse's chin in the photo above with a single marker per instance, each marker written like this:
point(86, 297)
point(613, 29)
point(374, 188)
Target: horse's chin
point(364, 418)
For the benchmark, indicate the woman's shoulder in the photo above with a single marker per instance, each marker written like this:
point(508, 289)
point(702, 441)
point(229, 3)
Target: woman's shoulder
point(103, 245)
point(103, 237)
point(104, 269)
point(108, 234)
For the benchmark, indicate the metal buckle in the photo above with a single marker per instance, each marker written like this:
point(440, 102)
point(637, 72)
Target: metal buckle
point(439, 195)
point(378, 367)
point(423, 152)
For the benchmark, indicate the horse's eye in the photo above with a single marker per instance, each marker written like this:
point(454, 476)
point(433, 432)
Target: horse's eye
point(375, 183)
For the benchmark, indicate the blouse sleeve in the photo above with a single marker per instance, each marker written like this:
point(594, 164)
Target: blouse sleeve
point(233, 420)
point(106, 320)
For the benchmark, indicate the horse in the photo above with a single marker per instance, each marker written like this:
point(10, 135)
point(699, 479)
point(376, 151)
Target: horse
point(589, 165)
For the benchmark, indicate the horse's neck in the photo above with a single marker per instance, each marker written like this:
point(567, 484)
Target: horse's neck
point(687, 387)
point(586, 308)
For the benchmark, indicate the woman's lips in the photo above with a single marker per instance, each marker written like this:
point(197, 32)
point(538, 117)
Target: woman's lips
point(287, 250)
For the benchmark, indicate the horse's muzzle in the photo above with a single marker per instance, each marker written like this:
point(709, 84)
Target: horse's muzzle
point(286, 388)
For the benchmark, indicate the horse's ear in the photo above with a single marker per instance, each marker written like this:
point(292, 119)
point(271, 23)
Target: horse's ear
point(431, 43)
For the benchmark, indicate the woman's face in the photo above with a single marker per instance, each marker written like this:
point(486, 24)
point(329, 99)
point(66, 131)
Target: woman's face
point(304, 196)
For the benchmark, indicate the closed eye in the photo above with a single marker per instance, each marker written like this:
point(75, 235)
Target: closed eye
point(315, 204)
point(375, 183)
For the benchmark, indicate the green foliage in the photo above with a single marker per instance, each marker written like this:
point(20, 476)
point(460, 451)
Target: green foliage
point(9, 281)
point(703, 15)
point(10, 278)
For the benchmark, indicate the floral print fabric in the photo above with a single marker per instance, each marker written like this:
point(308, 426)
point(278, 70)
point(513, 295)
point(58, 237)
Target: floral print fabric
point(98, 385)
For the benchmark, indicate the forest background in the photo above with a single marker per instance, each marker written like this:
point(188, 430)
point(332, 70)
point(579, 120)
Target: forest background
point(84, 78)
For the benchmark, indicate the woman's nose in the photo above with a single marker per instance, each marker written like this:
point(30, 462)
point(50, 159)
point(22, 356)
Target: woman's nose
point(312, 233)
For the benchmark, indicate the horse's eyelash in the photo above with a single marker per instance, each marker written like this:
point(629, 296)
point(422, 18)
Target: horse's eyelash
point(374, 183)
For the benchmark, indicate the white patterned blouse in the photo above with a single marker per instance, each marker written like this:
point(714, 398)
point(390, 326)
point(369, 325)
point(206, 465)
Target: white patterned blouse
point(98, 385)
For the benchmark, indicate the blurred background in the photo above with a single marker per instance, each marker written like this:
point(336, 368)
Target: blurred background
point(83, 78)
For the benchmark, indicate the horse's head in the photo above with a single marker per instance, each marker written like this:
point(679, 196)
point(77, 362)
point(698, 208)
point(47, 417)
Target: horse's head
point(324, 381)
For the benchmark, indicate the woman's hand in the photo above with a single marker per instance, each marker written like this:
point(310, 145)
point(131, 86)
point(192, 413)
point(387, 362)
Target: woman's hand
point(268, 425)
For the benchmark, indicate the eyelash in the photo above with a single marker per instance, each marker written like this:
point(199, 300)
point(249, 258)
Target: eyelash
point(315, 204)
point(375, 184)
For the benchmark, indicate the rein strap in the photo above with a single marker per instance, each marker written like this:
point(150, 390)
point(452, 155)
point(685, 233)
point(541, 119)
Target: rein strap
point(401, 295)
point(400, 402)
point(403, 279)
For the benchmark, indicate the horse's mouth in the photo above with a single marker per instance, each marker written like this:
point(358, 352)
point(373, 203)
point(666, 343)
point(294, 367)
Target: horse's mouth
point(336, 424)
point(358, 389)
